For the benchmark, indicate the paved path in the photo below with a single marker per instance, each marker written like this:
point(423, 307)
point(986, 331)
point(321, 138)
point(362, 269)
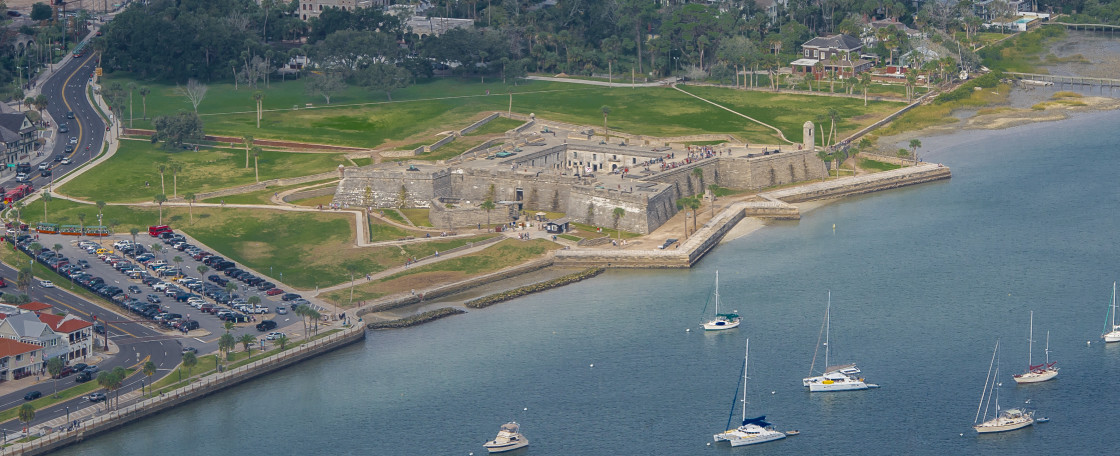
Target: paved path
point(661, 83)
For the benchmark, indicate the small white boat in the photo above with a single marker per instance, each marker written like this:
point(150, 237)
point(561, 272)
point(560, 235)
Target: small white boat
point(1041, 372)
point(509, 438)
point(721, 321)
point(1004, 420)
point(1111, 330)
point(752, 431)
point(843, 377)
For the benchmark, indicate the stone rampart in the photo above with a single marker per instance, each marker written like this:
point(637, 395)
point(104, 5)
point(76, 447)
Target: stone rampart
point(479, 124)
point(441, 142)
point(368, 187)
point(863, 184)
point(444, 217)
point(762, 171)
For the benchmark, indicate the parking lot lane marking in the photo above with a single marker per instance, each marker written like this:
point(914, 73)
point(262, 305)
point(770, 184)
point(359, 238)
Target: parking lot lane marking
point(200, 340)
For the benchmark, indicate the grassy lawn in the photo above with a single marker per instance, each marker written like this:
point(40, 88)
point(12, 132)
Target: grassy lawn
point(788, 112)
point(705, 143)
point(427, 108)
point(265, 196)
point(122, 178)
point(315, 201)
point(590, 231)
point(393, 215)
point(362, 161)
point(570, 237)
point(497, 126)
point(1023, 52)
point(418, 216)
point(504, 254)
point(876, 165)
point(381, 231)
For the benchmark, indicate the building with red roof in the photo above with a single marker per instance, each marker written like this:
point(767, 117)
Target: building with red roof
point(19, 359)
point(77, 334)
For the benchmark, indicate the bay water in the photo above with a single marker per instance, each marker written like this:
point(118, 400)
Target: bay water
point(924, 280)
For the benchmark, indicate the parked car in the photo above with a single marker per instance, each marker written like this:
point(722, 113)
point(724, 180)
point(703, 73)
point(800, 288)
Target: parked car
point(266, 325)
point(32, 395)
point(273, 335)
point(83, 377)
point(281, 310)
point(274, 291)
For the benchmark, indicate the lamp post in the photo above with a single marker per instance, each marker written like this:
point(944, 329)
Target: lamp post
point(67, 414)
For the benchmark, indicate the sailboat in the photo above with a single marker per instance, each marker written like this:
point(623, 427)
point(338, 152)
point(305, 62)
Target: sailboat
point(752, 431)
point(842, 377)
point(1111, 330)
point(721, 321)
point(1004, 420)
point(1041, 372)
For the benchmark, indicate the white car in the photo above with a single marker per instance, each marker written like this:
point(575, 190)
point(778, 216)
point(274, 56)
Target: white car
point(273, 335)
point(46, 284)
point(65, 161)
point(73, 140)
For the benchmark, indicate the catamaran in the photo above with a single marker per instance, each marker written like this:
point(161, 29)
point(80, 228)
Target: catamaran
point(842, 377)
point(752, 431)
point(1041, 372)
point(1004, 420)
point(1111, 330)
point(721, 321)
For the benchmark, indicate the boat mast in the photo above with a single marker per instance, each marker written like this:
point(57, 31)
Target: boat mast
point(827, 324)
point(1030, 344)
point(746, 358)
point(717, 294)
point(984, 392)
point(1047, 349)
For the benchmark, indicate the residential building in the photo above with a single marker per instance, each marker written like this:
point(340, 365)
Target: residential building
point(313, 8)
point(18, 359)
point(17, 137)
point(76, 334)
point(836, 53)
point(27, 328)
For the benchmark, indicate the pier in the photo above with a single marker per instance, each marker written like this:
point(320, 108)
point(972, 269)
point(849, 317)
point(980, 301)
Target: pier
point(1071, 81)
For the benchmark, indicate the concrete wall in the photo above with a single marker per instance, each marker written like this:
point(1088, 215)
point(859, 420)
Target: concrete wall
point(770, 170)
point(479, 124)
point(362, 187)
point(202, 388)
point(470, 216)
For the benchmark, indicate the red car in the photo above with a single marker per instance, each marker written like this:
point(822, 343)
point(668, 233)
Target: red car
point(274, 291)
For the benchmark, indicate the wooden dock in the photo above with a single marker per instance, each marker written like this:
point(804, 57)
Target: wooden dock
point(1071, 81)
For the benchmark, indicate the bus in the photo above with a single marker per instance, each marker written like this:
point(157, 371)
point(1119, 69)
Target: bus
point(80, 49)
point(47, 228)
point(97, 230)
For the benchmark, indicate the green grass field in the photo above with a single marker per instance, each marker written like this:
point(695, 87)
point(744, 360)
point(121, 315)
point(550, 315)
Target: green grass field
point(418, 216)
point(497, 126)
point(264, 196)
point(877, 165)
point(437, 105)
point(122, 177)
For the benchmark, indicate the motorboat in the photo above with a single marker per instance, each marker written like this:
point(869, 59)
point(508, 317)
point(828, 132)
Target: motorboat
point(509, 438)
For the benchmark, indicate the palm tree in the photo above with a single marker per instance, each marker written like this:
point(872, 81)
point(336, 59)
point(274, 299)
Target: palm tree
point(282, 341)
point(175, 168)
point(134, 231)
point(487, 206)
point(694, 204)
point(245, 340)
point(606, 110)
point(131, 88)
point(226, 343)
point(54, 367)
point(253, 300)
point(303, 312)
point(190, 197)
point(618, 213)
point(865, 83)
point(189, 361)
point(256, 157)
point(832, 115)
point(149, 371)
point(915, 144)
point(178, 260)
point(314, 316)
point(162, 168)
point(100, 208)
point(46, 199)
point(712, 189)
point(26, 414)
point(57, 248)
point(19, 210)
point(160, 199)
point(144, 91)
point(156, 248)
point(230, 288)
point(259, 97)
point(202, 268)
point(248, 144)
point(228, 325)
point(681, 204)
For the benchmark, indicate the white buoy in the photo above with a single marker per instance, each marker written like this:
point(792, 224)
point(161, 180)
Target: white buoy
point(709, 443)
point(525, 409)
point(773, 392)
point(593, 365)
point(962, 434)
point(1088, 343)
point(687, 329)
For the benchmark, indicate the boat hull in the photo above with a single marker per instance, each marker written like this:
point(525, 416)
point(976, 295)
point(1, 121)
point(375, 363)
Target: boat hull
point(502, 448)
point(720, 325)
point(1036, 377)
point(737, 437)
point(1113, 336)
point(990, 427)
point(837, 386)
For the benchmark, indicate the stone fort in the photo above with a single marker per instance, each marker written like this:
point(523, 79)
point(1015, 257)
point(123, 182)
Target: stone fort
point(586, 182)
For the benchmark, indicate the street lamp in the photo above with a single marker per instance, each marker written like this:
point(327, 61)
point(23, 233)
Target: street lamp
point(68, 415)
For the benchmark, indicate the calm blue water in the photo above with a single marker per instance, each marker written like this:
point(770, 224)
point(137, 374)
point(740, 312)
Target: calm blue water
point(923, 281)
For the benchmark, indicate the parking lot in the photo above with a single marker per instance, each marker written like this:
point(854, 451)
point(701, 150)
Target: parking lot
point(174, 286)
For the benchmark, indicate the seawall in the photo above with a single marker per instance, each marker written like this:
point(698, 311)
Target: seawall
point(197, 390)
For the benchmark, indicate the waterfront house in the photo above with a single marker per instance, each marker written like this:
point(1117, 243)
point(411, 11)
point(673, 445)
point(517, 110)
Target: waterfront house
point(836, 53)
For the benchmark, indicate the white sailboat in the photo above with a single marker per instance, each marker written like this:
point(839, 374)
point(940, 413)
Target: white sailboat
point(721, 321)
point(1041, 372)
point(754, 430)
point(1004, 420)
point(842, 377)
point(1111, 330)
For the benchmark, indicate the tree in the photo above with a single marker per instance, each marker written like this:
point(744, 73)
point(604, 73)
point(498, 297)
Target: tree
point(162, 168)
point(681, 204)
point(617, 214)
point(915, 144)
point(41, 102)
point(487, 206)
point(248, 140)
point(256, 158)
point(40, 12)
point(282, 341)
point(131, 88)
point(54, 367)
point(27, 411)
point(46, 199)
point(865, 83)
point(82, 220)
point(160, 199)
point(245, 340)
point(254, 300)
point(175, 167)
point(258, 96)
point(606, 110)
point(156, 248)
point(911, 83)
point(134, 231)
point(694, 204)
point(178, 260)
point(202, 268)
point(304, 313)
point(352, 268)
point(57, 248)
point(383, 77)
point(325, 85)
point(832, 115)
point(178, 129)
point(189, 361)
point(226, 343)
point(190, 197)
point(194, 92)
point(149, 370)
point(144, 91)
point(228, 325)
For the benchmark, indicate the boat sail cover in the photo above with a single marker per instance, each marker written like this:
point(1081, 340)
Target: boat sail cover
point(760, 421)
